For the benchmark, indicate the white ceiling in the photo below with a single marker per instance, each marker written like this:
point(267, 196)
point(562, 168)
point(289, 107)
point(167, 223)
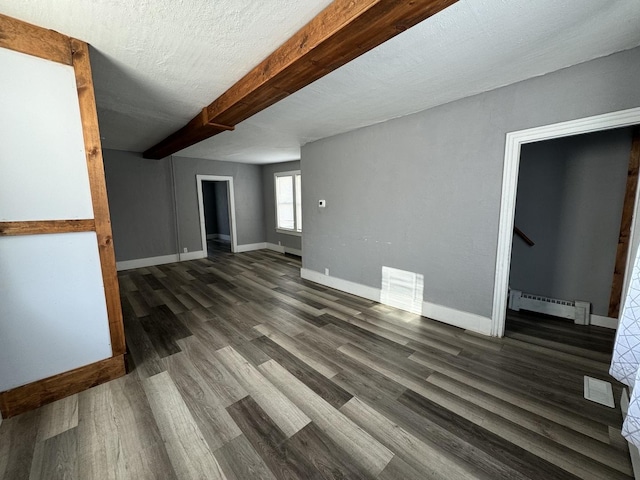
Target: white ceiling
point(156, 63)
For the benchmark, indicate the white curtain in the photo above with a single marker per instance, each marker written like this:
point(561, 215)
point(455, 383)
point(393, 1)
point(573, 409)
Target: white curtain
point(626, 354)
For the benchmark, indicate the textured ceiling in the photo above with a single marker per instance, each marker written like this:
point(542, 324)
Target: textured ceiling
point(158, 62)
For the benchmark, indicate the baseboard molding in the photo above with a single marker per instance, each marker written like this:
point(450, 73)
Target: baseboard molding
point(450, 316)
point(250, 247)
point(146, 262)
point(36, 394)
point(185, 257)
point(283, 249)
point(602, 321)
point(353, 288)
point(218, 236)
point(458, 318)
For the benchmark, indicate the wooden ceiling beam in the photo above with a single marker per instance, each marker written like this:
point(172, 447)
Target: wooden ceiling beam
point(341, 32)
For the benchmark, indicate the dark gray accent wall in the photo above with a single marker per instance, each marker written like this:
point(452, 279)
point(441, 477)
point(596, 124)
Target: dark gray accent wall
point(141, 205)
point(247, 181)
point(268, 186)
point(569, 202)
point(422, 192)
point(210, 207)
point(222, 208)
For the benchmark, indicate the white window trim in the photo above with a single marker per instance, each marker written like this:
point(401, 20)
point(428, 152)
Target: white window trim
point(292, 173)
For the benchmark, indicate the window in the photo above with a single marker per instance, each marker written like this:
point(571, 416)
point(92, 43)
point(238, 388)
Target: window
point(289, 202)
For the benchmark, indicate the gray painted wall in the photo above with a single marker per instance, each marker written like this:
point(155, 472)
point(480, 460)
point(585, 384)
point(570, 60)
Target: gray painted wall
point(268, 186)
point(141, 205)
point(247, 182)
point(570, 196)
point(422, 192)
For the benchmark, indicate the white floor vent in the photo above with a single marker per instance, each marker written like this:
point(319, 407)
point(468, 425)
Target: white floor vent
point(598, 391)
point(402, 289)
point(577, 311)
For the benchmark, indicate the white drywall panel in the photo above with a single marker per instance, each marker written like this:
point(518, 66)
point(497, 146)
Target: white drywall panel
point(53, 315)
point(42, 156)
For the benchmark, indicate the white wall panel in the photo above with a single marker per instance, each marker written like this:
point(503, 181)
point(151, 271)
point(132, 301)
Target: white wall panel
point(53, 315)
point(42, 159)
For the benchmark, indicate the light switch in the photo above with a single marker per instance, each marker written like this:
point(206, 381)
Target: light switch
point(322, 203)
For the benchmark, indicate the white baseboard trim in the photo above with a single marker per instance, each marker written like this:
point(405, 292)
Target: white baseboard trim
point(218, 236)
point(146, 262)
point(192, 255)
point(602, 321)
point(283, 249)
point(458, 318)
point(450, 316)
point(250, 247)
point(353, 288)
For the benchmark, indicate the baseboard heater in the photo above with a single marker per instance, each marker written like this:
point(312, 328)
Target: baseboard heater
point(578, 311)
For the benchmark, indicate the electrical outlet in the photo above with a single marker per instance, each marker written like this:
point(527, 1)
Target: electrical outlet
point(326, 271)
point(185, 250)
point(279, 243)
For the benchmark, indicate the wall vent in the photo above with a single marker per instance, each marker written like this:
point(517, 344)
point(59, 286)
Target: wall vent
point(402, 289)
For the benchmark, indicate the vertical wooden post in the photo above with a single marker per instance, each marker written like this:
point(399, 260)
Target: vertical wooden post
point(625, 226)
point(95, 168)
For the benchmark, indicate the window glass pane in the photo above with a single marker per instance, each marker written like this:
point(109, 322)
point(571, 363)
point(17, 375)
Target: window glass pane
point(284, 202)
point(298, 203)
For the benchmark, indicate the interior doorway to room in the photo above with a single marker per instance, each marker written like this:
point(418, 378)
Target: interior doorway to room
point(514, 143)
point(571, 195)
point(217, 214)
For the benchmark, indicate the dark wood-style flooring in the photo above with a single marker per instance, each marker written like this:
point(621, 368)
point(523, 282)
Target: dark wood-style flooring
point(241, 370)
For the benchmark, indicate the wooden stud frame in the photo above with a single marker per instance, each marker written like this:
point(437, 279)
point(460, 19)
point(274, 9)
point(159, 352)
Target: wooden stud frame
point(47, 44)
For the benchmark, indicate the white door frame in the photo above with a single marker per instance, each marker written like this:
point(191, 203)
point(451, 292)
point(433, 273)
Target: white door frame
point(514, 141)
point(232, 209)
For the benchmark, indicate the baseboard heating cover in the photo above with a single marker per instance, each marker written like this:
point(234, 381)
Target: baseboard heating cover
point(578, 311)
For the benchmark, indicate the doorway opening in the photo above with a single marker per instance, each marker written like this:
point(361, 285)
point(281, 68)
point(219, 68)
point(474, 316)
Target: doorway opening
point(217, 214)
point(571, 240)
point(514, 143)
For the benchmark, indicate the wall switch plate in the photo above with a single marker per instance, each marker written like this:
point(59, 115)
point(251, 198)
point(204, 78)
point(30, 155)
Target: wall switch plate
point(185, 249)
point(326, 271)
point(322, 203)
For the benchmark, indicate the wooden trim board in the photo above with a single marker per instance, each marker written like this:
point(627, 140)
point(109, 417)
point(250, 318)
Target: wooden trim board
point(624, 238)
point(36, 41)
point(33, 395)
point(46, 226)
point(95, 167)
point(26, 38)
point(341, 32)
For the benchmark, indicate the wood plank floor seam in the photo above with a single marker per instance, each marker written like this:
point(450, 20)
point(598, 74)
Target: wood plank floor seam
point(243, 370)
